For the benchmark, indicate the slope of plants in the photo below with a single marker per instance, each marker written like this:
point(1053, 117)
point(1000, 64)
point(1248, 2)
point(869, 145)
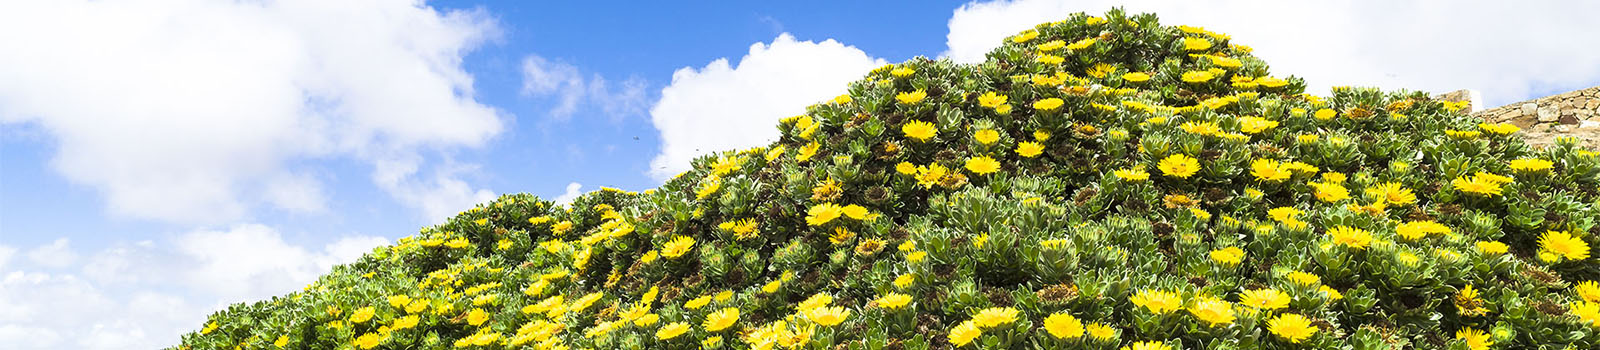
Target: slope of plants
point(1101, 182)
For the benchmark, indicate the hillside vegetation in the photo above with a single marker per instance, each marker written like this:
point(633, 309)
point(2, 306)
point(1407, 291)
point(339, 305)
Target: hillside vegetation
point(1102, 182)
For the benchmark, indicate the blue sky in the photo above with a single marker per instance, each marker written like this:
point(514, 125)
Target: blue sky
point(161, 158)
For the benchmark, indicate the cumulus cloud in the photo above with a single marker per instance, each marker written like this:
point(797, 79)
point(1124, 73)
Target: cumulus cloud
point(57, 254)
point(1509, 51)
point(563, 82)
point(571, 194)
point(145, 294)
point(726, 106)
point(200, 111)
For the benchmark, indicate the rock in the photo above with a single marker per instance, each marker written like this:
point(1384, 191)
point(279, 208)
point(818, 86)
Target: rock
point(1547, 114)
point(1530, 108)
point(1589, 124)
point(1568, 119)
point(1562, 128)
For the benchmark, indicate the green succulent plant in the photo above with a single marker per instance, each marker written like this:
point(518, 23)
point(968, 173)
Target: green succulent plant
point(1101, 182)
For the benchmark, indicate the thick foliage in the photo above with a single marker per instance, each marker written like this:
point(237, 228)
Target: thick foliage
point(1099, 183)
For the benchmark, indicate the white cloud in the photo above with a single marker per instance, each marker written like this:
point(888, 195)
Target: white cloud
point(571, 194)
point(438, 196)
point(5, 256)
point(57, 254)
point(199, 111)
point(1507, 50)
point(542, 77)
point(145, 294)
point(722, 106)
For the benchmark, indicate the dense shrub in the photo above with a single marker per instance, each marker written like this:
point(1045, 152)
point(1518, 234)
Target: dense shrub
point(1098, 183)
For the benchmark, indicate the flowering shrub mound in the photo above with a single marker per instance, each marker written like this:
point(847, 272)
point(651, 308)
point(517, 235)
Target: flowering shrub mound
point(1099, 183)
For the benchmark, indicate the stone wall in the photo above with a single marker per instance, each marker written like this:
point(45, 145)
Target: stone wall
point(1572, 114)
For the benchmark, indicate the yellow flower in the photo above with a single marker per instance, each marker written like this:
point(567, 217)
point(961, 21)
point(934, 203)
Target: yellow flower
point(991, 100)
point(1492, 247)
point(919, 130)
point(1350, 236)
point(362, 315)
point(1179, 165)
point(911, 98)
point(964, 333)
point(369, 340)
point(1393, 193)
point(1132, 175)
point(1330, 192)
point(1255, 125)
point(807, 152)
point(1196, 44)
point(1100, 331)
point(893, 301)
point(828, 316)
point(1158, 302)
point(1137, 77)
point(1269, 170)
point(1476, 185)
point(1063, 326)
point(930, 175)
point(283, 340)
point(1587, 312)
point(1564, 244)
point(1325, 114)
point(1268, 299)
point(1048, 104)
point(1029, 149)
point(823, 213)
point(722, 319)
point(1499, 128)
point(672, 330)
point(1147, 345)
point(1588, 290)
point(1050, 59)
point(1212, 310)
point(995, 316)
point(1229, 256)
point(1531, 165)
point(1051, 45)
point(1332, 293)
point(1414, 230)
point(1024, 36)
point(842, 99)
point(696, 303)
point(1303, 278)
point(1081, 44)
point(905, 168)
point(986, 136)
point(708, 187)
point(902, 71)
point(1195, 77)
point(405, 322)
point(983, 165)
point(1475, 339)
point(1292, 327)
point(904, 280)
point(677, 246)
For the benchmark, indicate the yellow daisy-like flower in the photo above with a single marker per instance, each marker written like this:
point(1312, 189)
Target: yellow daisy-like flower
point(1228, 256)
point(477, 317)
point(902, 71)
point(1255, 125)
point(405, 322)
point(1475, 339)
point(1325, 114)
point(1414, 230)
point(1265, 299)
point(1158, 302)
point(1269, 170)
point(919, 130)
point(1393, 193)
point(1063, 326)
point(1136, 77)
point(828, 316)
point(1303, 278)
point(992, 100)
point(1531, 165)
point(697, 303)
point(1588, 290)
point(1329, 192)
point(1147, 345)
point(1081, 44)
point(1051, 45)
point(986, 136)
point(982, 165)
point(1179, 165)
point(1292, 327)
point(369, 340)
point(1350, 236)
point(1212, 310)
point(894, 301)
point(1050, 59)
point(1499, 128)
point(911, 98)
point(1025, 36)
point(722, 319)
point(1029, 149)
point(823, 213)
point(677, 246)
point(906, 168)
point(964, 333)
point(1588, 312)
point(1564, 244)
point(1492, 247)
point(1048, 104)
point(1131, 175)
point(1478, 185)
point(1196, 44)
point(672, 330)
point(995, 316)
point(1196, 77)
point(362, 315)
